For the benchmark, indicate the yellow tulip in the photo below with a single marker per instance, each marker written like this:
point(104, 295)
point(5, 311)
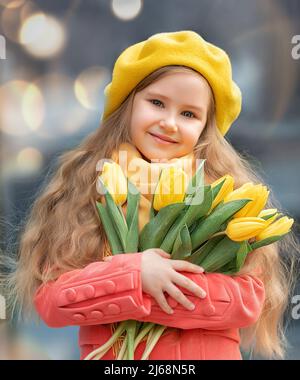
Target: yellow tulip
point(115, 182)
point(269, 211)
point(259, 195)
point(281, 227)
point(226, 188)
point(170, 188)
point(240, 229)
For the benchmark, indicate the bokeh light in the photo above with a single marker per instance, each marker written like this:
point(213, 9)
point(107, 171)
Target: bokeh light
point(29, 161)
point(43, 36)
point(88, 84)
point(63, 114)
point(13, 16)
point(12, 3)
point(12, 96)
point(126, 9)
point(33, 107)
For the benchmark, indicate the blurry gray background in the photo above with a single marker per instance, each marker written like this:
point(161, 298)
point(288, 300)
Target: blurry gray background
point(57, 57)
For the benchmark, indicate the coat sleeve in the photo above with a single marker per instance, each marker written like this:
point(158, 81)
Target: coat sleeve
point(231, 302)
point(107, 292)
point(102, 292)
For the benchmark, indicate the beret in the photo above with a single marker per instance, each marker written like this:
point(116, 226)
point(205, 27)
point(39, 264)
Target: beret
point(184, 48)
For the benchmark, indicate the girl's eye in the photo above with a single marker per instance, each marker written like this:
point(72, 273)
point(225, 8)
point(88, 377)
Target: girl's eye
point(156, 102)
point(189, 113)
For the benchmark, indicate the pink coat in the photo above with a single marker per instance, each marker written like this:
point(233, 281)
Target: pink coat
point(108, 292)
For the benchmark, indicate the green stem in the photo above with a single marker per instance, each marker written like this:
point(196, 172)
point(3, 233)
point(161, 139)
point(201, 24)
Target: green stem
point(152, 341)
point(143, 333)
point(131, 328)
point(218, 234)
point(122, 353)
point(109, 343)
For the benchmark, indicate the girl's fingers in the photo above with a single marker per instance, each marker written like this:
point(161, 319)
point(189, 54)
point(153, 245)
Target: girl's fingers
point(179, 297)
point(162, 253)
point(162, 302)
point(186, 266)
point(186, 283)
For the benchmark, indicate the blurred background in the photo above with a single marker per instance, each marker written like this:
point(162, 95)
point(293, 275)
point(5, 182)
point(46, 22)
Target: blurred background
point(56, 56)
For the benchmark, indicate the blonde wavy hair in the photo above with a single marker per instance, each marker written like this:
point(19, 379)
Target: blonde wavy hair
point(63, 231)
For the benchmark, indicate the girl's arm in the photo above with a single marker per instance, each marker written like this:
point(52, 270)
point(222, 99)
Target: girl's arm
point(107, 292)
point(102, 292)
point(231, 302)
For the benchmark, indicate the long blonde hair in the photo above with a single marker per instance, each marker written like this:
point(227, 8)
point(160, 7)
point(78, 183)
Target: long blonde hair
point(63, 231)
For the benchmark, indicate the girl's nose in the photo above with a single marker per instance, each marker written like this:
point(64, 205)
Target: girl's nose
point(169, 124)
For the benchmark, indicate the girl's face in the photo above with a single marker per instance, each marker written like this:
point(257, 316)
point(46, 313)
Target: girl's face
point(172, 108)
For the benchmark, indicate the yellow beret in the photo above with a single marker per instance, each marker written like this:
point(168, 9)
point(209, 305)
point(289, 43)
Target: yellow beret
point(184, 48)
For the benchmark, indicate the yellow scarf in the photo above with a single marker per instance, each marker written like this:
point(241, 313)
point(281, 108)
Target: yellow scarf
point(144, 175)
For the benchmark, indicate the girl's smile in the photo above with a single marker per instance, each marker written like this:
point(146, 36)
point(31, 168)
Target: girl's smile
point(169, 115)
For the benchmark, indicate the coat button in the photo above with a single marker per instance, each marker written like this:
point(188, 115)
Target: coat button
point(97, 314)
point(78, 317)
point(71, 294)
point(109, 287)
point(209, 309)
point(89, 291)
point(113, 308)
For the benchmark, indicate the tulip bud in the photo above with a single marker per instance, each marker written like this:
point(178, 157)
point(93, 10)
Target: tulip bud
point(259, 195)
point(240, 229)
point(170, 188)
point(115, 182)
point(280, 227)
point(226, 189)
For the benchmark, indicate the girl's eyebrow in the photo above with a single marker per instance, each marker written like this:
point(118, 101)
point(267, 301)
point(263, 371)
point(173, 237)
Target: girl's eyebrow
point(198, 108)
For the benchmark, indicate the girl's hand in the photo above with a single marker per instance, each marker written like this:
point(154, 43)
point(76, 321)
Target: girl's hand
point(159, 275)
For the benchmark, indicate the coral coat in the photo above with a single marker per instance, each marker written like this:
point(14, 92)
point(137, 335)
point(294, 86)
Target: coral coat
point(106, 292)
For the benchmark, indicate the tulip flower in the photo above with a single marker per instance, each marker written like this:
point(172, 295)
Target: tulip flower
point(259, 195)
point(270, 215)
point(281, 227)
point(170, 188)
point(226, 189)
point(115, 182)
point(240, 229)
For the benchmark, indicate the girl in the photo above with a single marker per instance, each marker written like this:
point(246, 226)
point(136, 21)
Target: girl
point(171, 97)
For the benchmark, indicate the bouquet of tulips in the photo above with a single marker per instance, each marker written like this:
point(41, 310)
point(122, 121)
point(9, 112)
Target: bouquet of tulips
point(213, 226)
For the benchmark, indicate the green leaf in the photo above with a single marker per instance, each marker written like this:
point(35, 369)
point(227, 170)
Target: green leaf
point(182, 246)
point(111, 233)
point(220, 255)
point(200, 254)
point(213, 222)
point(156, 229)
point(242, 254)
point(195, 183)
point(216, 189)
point(132, 239)
point(133, 198)
point(116, 215)
point(190, 214)
point(267, 241)
point(235, 265)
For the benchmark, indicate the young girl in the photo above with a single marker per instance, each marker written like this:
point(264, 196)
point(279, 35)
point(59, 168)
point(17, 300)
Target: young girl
point(171, 97)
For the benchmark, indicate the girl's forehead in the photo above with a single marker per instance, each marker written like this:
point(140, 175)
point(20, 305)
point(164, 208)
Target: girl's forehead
point(185, 84)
